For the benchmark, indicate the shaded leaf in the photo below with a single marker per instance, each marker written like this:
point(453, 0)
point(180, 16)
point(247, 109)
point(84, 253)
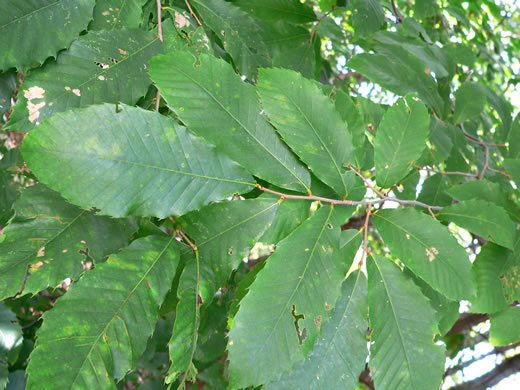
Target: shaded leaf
point(217, 105)
point(428, 249)
point(460, 53)
point(469, 102)
point(432, 192)
point(7, 88)
point(111, 14)
point(288, 11)
point(403, 354)
point(513, 169)
point(100, 67)
point(8, 194)
point(367, 16)
point(10, 338)
point(49, 238)
point(37, 29)
point(131, 162)
point(110, 332)
point(400, 140)
point(339, 354)
point(504, 328)
point(308, 123)
point(350, 114)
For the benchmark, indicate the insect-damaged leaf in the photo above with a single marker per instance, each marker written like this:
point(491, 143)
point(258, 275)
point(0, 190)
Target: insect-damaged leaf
point(131, 162)
point(100, 67)
point(428, 249)
point(309, 124)
point(104, 321)
point(33, 30)
point(403, 328)
point(288, 302)
point(49, 238)
point(212, 100)
point(111, 14)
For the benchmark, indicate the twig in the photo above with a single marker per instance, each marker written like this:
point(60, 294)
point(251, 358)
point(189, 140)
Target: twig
point(501, 172)
point(365, 235)
point(366, 181)
point(184, 236)
point(318, 23)
point(484, 146)
point(160, 35)
point(349, 202)
point(445, 173)
point(396, 12)
point(192, 13)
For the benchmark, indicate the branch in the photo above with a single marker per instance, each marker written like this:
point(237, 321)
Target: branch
point(365, 235)
point(396, 12)
point(445, 173)
point(467, 321)
point(481, 144)
point(192, 13)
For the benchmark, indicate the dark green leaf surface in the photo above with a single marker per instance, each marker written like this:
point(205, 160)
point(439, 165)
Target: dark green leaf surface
point(339, 354)
point(10, 338)
point(514, 139)
point(130, 162)
point(301, 278)
point(483, 218)
point(469, 102)
point(49, 238)
point(8, 194)
point(400, 140)
point(289, 11)
point(289, 215)
point(217, 105)
point(367, 16)
point(309, 124)
point(238, 32)
point(95, 333)
point(33, 30)
point(100, 67)
point(356, 127)
point(513, 169)
point(111, 14)
point(403, 354)
point(7, 88)
point(504, 326)
point(428, 249)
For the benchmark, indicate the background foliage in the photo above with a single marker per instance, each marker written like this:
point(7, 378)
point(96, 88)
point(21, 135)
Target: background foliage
point(272, 194)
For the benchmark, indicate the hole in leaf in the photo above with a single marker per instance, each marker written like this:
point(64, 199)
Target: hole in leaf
point(301, 333)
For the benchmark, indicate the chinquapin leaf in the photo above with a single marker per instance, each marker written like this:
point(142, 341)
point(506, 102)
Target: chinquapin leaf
point(289, 215)
point(513, 169)
point(181, 33)
point(308, 123)
point(100, 67)
point(483, 218)
point(112, 14)
point(288, 11)
point(367, 16)
point(7, 88)
point(514, 139)
point(460, 53)
point(500, 104)
point(34, 30)
point(428, 249)
point(339, 354)
point(240, 35)
point(105, 318)
point(128, 161)
point(469, 102)
point(403, 354)
point(211, 99)
point(48, 240)
point(400, 140)
point(432, 191)
point(10, 338)
point(283, 312)
point(350, 114)
point(8, 194)
point(504, 328)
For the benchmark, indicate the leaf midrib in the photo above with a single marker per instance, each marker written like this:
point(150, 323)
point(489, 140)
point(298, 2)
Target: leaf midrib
point(15, 20)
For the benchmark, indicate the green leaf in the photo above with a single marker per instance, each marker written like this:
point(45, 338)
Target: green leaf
point(10, 338)
point(367, 16)
point(514, 139)
point(7, 88)
point(111, 14)
point(469, 102)
point(403, 354)
point(425, 8)
point(350, 114)
point(432, 191)
point(289, 216)
point(282, 314)
point(106, 318)
point(460, 53)
point(224, 233)
point(483, 218)
point(513, 169)
point(240, 35)
point(490, 269)
point(34, 30)
point(130, 162)
point(400, 140)
point(339, 354)
point(502, 107)
point(104, 66)
point(288, 11)
point(400, 72)
point(504, 328)
point(8, 194)
point(217, 105)
point(428, 249)
point(49, 238)
point(308, 123)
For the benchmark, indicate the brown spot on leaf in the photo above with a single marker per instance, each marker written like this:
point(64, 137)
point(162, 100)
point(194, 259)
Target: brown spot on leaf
point(327, 306)
point(105, 13)
point(427, 70)
point(41, 252)
point(147, 284)
point(123, 52)
point(76, 92)
point(37, 265)
point(34, 109)
point(317, 321)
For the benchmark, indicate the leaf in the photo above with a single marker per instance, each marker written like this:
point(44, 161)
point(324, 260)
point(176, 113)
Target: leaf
point(49, 238)
point(460, 53)
point(282, 314)
point(7, 88)
point(308, 123)
point(240, 35)
point(513, 169)
point(428, 249)
point(514, 139)
point(350, 114)
point(502, 107)
point(504, 328)
point(425, 8)
point(224, 233)
point(340, 353)
point(400, 140)
point(131, 162)
point(217, 105)
point(289, 216)
point(38, 29)
point(288, 11)
point(111, 14)
point(367, 16)
point(400, 72)
point(110, 332)
point(8, 194)
point(104, 66)
point(432, 191)
point(469, 102)
point(403, 354)
point(10, 338)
